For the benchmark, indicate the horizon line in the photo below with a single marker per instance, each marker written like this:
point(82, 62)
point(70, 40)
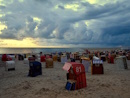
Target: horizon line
point(67, 47)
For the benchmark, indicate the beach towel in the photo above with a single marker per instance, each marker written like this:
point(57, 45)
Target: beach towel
point(67, 66)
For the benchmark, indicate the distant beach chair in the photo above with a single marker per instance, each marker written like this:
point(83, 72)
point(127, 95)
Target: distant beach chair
point(121, 62)
point(63, 59)
point(10, 65)
point(97, 67)
point(86, 62)
point(35, 69)
point(49, 63)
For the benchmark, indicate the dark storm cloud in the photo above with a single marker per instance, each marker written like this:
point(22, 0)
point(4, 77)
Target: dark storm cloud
point(9, 34)
point(2, 7)
point(59, 6)
point(108, 24)
point(117, 30)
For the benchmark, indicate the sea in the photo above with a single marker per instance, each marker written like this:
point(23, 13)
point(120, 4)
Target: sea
point(37, 50)
point(49, 50)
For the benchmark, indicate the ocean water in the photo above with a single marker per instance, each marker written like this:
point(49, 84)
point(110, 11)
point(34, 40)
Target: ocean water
point(37, 50)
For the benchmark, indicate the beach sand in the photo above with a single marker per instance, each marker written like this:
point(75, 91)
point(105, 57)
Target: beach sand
point(114, 83)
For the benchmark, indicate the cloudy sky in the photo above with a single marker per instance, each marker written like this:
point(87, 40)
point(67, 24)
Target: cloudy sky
point(64, 23)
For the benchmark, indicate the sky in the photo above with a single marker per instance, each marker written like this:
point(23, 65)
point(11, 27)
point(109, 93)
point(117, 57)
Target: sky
point(64, 23)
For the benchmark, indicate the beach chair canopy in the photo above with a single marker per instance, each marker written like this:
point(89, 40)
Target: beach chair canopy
point(78, 68)
point(95, 58)
point(85, 58)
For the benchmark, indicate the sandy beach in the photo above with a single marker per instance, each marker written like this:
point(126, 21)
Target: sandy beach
point(114, 83)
